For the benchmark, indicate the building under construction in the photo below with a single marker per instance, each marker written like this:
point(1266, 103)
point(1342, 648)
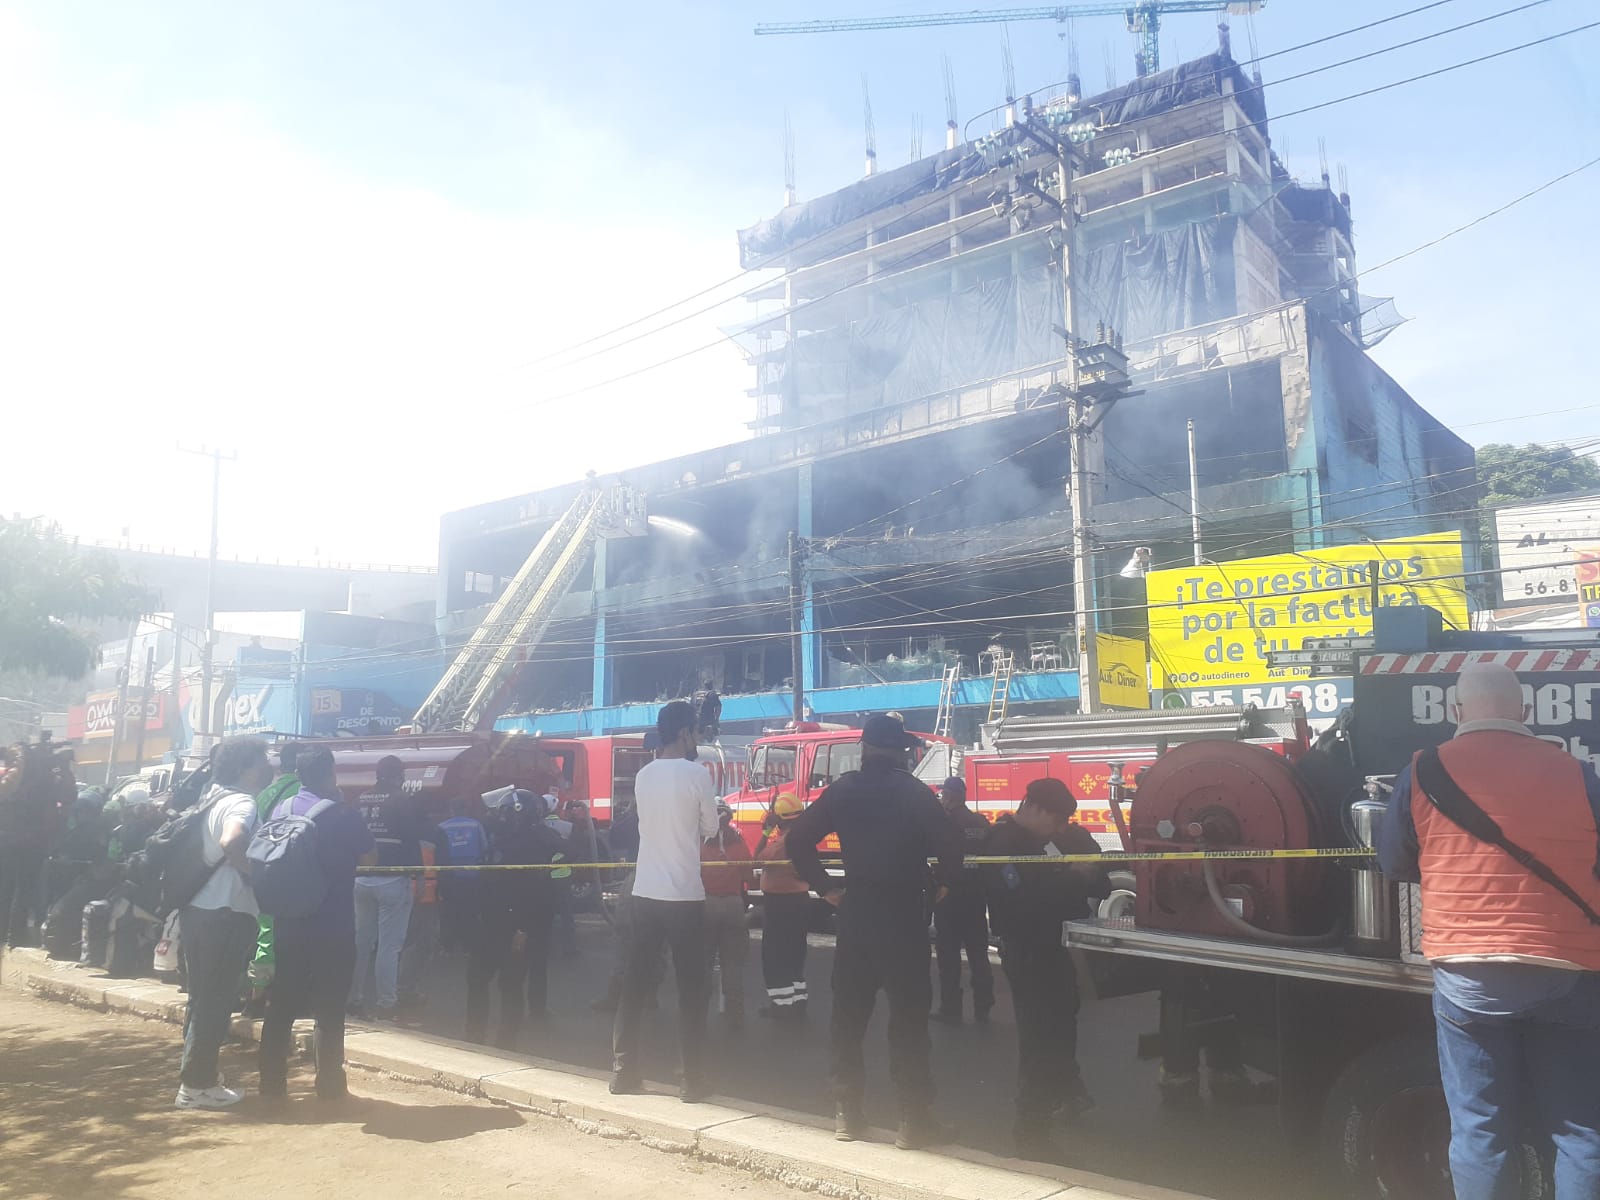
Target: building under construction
point(909, 426)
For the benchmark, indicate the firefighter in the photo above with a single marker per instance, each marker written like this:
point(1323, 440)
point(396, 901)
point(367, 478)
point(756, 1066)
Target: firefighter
point(889, 825)
point(785, 915)
point(959, 921)
point(1027, 904)
point(511, 939)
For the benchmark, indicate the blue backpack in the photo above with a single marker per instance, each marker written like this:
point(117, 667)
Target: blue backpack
point(285, 870)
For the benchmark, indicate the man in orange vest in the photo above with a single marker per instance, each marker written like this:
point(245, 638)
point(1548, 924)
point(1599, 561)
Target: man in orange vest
point(1502, 830)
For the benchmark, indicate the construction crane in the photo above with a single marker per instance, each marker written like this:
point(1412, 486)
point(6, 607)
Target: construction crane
point(471, 693)
point(1143, 17)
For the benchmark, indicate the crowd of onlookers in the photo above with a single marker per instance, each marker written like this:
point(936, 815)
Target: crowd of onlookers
point(269, 887)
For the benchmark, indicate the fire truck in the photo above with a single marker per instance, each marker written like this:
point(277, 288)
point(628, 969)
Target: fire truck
point(800, 759)
point(1310, 966)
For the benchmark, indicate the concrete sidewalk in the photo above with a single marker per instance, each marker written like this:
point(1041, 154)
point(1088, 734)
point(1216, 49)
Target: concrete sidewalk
point(774, 1143)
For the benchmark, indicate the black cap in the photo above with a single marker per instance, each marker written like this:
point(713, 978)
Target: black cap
point(674, 717)
point(954, 784)
point(887, 733)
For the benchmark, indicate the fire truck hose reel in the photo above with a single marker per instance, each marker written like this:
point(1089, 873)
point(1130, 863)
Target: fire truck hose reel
point(1233, 796)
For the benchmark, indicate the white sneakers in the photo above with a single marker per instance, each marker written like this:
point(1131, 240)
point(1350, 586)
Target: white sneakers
point(211, 1097)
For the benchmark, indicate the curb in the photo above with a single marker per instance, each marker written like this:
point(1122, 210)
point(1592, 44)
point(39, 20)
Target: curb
point(785, 1146)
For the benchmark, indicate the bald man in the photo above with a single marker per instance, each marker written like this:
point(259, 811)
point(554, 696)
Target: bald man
point(1511, 924)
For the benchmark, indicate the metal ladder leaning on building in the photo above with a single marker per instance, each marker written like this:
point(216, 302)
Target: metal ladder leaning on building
point(1001, 695)
point(947, 700)
point(474, 686)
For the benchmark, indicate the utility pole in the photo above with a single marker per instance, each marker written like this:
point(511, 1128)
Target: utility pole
point(145, 694)
point(1194, 499)
point(120, 716)
point(1077, 439)
point(1096, 374)
point(216, 457)
point(795, 640)
point(175, 692)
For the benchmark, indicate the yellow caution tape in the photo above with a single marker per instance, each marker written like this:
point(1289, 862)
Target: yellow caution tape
point(1110, 856)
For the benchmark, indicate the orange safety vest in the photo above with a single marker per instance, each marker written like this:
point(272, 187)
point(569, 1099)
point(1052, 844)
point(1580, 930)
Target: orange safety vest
point(1476, 900)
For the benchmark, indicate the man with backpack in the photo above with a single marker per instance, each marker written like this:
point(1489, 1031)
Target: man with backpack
point(1502, 831)
point(315, 953)
point(219, 920)
point(285, 786)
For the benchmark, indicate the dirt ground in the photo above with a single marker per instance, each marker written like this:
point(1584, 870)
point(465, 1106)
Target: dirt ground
point(86, 1111)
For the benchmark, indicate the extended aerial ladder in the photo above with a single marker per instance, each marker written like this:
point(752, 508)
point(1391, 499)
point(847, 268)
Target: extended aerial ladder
point(469, 696)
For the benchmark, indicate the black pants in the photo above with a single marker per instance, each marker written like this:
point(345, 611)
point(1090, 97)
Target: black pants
point(311, 978)
point(19, 888)
point(882, 948)
point(217, 944)
point(785, 918)
point(1044, 994)
point(525, 979)
point(960, 924)
point(1197, 1014)
point(522, 977)
point(680, 924)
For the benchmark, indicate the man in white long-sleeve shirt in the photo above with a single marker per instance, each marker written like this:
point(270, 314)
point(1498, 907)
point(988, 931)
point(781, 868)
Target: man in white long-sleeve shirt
point(677, 812)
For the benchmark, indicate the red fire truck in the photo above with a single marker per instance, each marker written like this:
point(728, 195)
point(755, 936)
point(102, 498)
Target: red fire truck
point(801, 759)
point(1083, 752)
point(596, 771)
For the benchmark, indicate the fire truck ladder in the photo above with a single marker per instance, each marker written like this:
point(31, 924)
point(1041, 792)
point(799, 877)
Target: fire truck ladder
point(947, 700)
point(468, 696)
point(1001, 694)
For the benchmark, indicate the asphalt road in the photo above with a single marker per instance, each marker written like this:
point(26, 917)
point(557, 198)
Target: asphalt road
point(1231, 1154)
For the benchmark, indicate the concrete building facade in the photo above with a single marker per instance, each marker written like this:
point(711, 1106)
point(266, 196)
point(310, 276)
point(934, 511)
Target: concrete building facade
point(909, 427)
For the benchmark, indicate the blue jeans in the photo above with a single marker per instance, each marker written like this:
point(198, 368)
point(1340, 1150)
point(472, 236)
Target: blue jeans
point(217, 944)
point(1535, 1070)
point(383, 911)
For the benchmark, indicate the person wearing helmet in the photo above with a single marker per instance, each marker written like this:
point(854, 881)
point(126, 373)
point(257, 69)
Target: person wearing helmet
point(785, 915)
point(512, 937)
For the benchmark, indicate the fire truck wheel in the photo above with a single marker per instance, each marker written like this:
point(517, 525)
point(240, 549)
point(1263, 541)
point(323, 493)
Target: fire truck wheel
point(1386, 1131)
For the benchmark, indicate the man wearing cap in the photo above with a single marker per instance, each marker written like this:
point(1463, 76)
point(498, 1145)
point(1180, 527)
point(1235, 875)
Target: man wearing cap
point(959, 921)
point(889, 825)
point(1027, 904)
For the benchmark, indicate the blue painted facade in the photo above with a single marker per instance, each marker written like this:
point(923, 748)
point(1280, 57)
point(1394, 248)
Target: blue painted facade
point(825, 704)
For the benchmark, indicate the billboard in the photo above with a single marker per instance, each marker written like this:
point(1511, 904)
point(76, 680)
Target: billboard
point(97, 716)
point(1124, 671)
point(1587, 573)
point(1539, 545)
point(1212, 626)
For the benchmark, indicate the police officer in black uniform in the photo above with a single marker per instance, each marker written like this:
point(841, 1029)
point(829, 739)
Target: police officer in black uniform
point(1027, 904)
point(511, 937)
point(889, 826)
point(959, 923)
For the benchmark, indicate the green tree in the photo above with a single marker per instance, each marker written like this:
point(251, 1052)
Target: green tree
point(1509, 474)
point(51, 593)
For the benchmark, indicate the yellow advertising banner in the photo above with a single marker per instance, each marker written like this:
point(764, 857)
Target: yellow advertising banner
point(1211, 626)
point(1124, 671)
